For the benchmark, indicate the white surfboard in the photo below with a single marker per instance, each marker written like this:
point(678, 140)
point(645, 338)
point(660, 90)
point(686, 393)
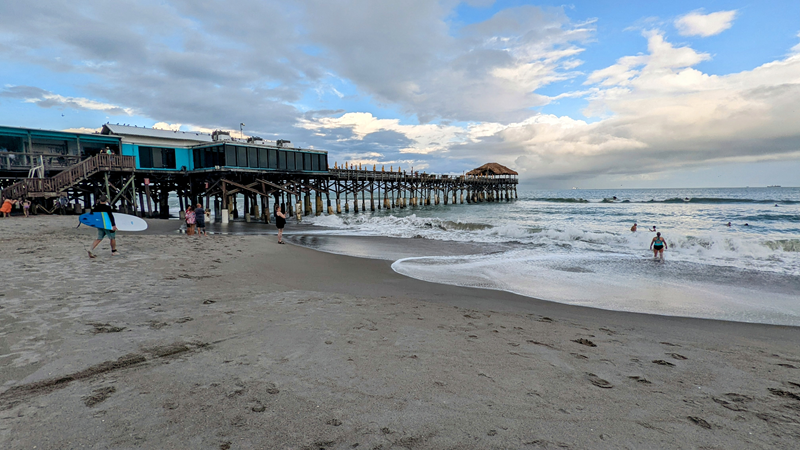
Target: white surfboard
point(124, 222)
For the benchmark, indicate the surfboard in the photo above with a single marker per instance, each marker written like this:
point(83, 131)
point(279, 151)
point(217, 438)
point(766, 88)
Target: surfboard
point(124, 222)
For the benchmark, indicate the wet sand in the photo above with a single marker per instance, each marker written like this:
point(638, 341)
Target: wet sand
point(234, 341)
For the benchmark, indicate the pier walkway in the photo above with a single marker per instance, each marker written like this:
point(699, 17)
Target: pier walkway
point(145, 191)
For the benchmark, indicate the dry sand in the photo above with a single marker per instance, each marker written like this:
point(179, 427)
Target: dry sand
point(238, 342)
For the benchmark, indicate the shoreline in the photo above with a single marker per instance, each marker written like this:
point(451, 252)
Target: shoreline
point(233, 341)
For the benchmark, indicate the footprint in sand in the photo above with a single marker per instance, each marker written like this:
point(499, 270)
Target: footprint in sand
point(585, 342)
point(661, 362)
point(676, 356)
point(640, 379)
point(782, 393)
point(599, 382)
point(733, 401)
point(99, 396)
point(700, 422)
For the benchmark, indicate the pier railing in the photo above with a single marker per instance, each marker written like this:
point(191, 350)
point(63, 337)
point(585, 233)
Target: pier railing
point(51, 186)
point(371, 175)
point(24, 161)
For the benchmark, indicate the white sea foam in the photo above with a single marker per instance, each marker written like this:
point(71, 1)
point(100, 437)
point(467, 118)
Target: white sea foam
point(611, 281)
point(733, 250)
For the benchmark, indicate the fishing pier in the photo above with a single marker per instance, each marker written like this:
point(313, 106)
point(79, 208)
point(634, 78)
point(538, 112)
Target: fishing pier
point(139, 168)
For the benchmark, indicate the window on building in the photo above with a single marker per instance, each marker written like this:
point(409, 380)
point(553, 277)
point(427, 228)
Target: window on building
point(217, 157)
point(145, 157)
point(230, 155)
point(262, 158)
point(281, 160)
point(197, 158)
point(290, 161)
point(168, 158)
point(323, 162)
point(11, 144)
point(273, 159)
point(241, 156)
point(307, 161)
point(315, 162)
point(156, 158)
point(252, 157)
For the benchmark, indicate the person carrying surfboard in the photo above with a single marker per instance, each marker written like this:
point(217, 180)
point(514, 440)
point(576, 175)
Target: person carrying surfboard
point(103, 206)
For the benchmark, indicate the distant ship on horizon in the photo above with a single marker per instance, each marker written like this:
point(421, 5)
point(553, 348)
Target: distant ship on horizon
point(774, 185)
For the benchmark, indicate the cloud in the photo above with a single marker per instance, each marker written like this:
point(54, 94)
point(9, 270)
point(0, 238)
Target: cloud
point(213, 66)
point(408, 54)
point(419, 139)
point(83, 130)
point(704, 25)
point(46, 99)
point(337, 75)
point(659, 114)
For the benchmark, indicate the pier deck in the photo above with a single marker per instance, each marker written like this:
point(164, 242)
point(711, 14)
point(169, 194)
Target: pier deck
point(146, 191)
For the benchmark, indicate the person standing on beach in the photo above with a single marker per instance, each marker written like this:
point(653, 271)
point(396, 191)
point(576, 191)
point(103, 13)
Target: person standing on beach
point(103, 206)
point(280, 222)
point(6, 208)
point(191, 218)
point(658, 245)
point(200, 219)
point(26, 207)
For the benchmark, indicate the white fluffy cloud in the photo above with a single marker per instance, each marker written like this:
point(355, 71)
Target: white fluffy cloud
point(424, 138)
point(659, 113)
point(699, 24)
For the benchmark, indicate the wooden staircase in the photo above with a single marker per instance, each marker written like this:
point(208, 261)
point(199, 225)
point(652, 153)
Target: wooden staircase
point(53, 186)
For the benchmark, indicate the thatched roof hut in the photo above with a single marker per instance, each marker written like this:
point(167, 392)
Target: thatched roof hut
point(491, 169)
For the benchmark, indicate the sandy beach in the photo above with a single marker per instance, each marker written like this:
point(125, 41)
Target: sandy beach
point(236, 342)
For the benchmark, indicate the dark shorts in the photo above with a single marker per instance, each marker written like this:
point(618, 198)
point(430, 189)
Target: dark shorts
point(101, 233)
point(658, 247)
point(201, 224)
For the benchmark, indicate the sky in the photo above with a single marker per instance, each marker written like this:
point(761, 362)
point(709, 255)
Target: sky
point(589, 94)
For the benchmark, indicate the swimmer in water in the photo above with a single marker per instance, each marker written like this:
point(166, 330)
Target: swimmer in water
point(658, 245)
point(633, 228)
point(729, 224)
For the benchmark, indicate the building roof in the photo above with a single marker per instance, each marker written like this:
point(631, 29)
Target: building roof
point(492, 169)
point(127, 130)
point(54, 134)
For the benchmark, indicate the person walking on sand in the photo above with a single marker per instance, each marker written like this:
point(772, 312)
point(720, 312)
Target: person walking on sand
point(191, 218)
point(6, 208)
point(103, 206)
point(280, 222)
point(200, 219)
point(658, 245)
point(26, 207)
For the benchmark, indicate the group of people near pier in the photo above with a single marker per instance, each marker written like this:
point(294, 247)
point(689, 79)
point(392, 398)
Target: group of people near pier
point(8, 205)
point(196, 219)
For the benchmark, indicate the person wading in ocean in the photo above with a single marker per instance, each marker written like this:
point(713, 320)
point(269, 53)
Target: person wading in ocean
point(658, 245)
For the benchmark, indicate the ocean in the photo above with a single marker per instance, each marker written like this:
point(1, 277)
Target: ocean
point(576, 247)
